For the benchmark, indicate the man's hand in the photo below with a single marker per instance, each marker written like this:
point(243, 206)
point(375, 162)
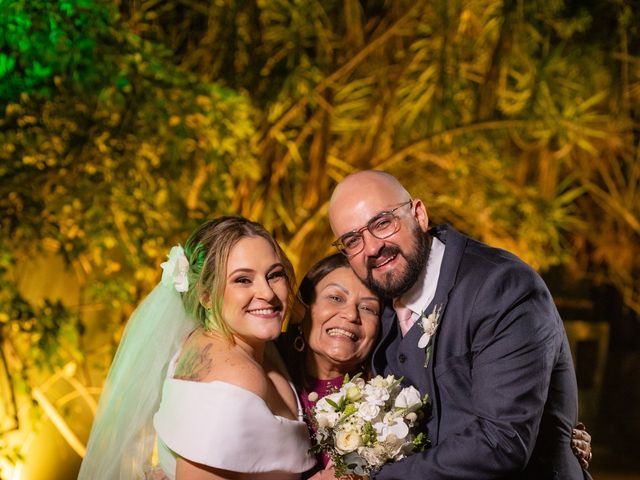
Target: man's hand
point(581, 445)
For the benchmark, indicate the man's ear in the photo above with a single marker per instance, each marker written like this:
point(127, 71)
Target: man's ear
point(420, 214)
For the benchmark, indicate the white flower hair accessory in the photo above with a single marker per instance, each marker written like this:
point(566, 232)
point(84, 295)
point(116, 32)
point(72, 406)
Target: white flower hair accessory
point(429, 325)
point(176, 270)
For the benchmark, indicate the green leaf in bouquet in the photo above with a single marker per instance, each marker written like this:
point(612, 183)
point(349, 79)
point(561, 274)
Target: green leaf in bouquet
point(355, 464)
point(333, 404)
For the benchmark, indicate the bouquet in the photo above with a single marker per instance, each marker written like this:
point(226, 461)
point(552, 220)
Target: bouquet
point(364, 425)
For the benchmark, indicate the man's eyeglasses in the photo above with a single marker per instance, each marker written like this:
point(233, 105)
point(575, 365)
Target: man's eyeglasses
point(383, 225)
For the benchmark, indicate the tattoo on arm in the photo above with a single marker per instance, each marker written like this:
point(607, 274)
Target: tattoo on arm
point(195, 364)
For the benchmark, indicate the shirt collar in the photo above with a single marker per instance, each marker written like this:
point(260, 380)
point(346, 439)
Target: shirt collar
point(418, 297)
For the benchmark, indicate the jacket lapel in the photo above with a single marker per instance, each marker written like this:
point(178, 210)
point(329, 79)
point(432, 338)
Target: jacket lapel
point(455, 243)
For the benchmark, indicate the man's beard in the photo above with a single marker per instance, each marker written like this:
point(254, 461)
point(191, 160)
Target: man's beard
point(393, 284)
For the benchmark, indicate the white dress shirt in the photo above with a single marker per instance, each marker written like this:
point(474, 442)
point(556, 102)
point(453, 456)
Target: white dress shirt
point(418, 297)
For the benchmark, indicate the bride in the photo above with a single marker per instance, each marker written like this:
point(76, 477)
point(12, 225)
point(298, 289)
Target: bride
point(196, 367)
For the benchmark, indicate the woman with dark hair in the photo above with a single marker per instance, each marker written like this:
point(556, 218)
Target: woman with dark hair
point(333, 333)
point(337, 327)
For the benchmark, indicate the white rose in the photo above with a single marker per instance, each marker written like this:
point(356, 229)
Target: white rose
point(347, 441)
point(376, 395)
point(408, 398)
point(176, 269)
point(368, 411)
point(378, 381)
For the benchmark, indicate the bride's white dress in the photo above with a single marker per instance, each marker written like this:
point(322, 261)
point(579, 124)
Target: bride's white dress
point(224, 426)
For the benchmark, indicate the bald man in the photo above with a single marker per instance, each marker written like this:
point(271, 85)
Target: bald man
point(498, 369)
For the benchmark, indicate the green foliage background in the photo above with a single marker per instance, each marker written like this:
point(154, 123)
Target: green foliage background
point(126, 124)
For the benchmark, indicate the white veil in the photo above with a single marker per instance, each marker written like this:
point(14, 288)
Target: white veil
point(122, 438)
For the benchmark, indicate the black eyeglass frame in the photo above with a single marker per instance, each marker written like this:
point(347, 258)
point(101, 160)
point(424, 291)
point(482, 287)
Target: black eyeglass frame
point(339, 242)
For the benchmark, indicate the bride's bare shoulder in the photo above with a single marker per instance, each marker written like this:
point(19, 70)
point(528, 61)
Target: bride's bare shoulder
point(206, 358)
point(196, 360)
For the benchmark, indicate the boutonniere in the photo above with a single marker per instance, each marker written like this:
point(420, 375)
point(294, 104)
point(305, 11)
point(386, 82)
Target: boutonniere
point(429, 325)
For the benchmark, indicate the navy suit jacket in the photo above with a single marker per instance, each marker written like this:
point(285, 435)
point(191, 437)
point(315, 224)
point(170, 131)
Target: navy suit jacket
point(500, 375)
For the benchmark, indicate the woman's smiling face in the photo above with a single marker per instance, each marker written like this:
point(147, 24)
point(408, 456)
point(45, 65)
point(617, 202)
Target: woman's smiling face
point(255, 295)
point(343, 326)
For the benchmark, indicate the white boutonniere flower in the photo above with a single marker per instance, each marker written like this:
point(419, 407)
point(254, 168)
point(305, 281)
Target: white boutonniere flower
point(429, 324)
point(176, 270)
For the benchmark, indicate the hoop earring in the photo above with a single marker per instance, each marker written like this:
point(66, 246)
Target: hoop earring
point(298, 342)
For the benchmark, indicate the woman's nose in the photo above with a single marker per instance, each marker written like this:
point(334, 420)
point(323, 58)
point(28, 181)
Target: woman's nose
point(264, 290)
point(350, 312)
